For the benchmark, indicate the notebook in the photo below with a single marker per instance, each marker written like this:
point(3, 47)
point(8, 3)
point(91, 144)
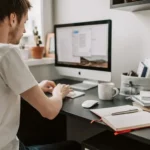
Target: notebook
point(122, 122)
point(142, 107)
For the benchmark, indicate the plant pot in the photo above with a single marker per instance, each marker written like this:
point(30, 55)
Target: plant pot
point(37, 52)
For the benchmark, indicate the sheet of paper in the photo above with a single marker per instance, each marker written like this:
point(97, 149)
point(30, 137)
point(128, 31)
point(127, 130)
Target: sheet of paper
point(81, 42)
point(100, 40)
point(108, 111)
point(64, 47)
point(129, 121)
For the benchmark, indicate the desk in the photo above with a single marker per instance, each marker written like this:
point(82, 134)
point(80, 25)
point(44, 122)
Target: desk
point(72, 107)
point(36, 130)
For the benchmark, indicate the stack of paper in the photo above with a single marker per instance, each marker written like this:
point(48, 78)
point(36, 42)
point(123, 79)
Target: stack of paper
point(142, 99)
point(145, 95)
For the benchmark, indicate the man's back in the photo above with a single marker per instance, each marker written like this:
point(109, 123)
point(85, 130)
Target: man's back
point(15, 78)
point(9, 105)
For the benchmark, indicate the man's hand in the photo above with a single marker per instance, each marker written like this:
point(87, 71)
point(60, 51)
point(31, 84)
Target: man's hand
point(47, 86)
point(61, 90)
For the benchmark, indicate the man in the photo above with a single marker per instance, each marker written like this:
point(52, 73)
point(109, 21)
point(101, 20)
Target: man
point(16, 80)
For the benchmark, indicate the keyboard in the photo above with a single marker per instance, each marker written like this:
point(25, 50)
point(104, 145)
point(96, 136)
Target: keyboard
point(83, 86)
point(75, 94)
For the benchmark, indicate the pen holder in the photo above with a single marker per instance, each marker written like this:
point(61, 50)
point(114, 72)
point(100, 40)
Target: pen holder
point(131, 85)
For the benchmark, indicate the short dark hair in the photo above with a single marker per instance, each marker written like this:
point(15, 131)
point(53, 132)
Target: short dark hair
point(19, 7)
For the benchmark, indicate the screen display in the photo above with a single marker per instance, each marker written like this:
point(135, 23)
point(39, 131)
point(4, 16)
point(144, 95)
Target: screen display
point(83, 46)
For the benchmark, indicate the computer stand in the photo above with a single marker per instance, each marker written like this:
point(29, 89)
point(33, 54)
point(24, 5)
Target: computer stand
point(85, 85)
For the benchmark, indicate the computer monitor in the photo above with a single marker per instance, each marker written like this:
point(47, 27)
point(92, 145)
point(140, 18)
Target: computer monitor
point(83, 50)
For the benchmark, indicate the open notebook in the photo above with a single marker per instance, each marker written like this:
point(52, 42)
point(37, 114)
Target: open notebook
point(122, 122)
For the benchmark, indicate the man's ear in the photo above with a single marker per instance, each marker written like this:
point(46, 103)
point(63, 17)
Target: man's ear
point(13, 19)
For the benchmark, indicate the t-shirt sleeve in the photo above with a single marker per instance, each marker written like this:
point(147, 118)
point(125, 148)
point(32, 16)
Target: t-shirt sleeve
point(16, 73)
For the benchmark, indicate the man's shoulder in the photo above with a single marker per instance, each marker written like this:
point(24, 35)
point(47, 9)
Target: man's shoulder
point(8, 48)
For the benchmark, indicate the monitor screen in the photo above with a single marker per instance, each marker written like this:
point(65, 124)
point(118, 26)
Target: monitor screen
point(84, 45)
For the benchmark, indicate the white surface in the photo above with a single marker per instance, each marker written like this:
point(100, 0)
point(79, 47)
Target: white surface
point(130, 33)
point(75, 94)
point(17, 79)
point(43, 61)
point(106, 91)
point(101, 112)
point(81, 41)
point(83, 86)
point(47, 18)
point(64, 46)
point(137, 98)
point(128, 121)
point(85, 73)
point(44, 72)
point(145, 94)
point(89, 103)
point(34, 17)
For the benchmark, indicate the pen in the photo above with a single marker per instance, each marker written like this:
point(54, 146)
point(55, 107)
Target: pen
point(125, 112)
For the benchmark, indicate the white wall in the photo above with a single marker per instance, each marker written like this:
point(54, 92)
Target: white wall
point(44, 72)
point(47, 17)
point(130, 33)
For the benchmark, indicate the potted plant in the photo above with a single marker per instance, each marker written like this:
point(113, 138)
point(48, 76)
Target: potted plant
point(38, 50)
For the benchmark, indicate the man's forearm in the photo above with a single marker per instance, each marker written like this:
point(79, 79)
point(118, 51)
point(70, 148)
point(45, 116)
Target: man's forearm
point(48, 107)
point(55, 105)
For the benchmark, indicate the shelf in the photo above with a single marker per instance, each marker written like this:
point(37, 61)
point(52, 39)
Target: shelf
point(43, 61)
point(132, 6)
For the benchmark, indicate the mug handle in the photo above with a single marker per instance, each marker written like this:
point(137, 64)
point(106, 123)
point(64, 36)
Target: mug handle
point(116, 91)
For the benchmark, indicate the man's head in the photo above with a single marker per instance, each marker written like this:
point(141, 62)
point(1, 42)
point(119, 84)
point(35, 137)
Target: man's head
point(13, 15)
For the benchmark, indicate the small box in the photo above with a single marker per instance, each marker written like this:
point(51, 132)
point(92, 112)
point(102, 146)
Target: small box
point(131, 85)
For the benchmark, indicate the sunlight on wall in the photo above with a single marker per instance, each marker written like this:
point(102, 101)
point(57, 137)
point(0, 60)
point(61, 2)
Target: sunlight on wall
point(34, 19)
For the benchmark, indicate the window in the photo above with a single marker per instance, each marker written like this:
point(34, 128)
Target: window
point(35, 19)
point(34, 16)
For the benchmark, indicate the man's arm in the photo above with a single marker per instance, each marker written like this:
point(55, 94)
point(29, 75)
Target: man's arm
point(47, 86)
point(48, 107)
point(20, 80)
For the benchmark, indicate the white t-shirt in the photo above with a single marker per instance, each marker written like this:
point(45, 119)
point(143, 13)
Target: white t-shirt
point(15, 78)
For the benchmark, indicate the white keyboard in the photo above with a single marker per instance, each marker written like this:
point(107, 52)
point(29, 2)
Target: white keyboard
point(83, 86)
point(75, 94)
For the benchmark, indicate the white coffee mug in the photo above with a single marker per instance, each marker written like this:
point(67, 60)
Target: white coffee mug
point(106, 91)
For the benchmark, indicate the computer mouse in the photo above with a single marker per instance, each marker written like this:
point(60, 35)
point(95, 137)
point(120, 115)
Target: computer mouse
point(89, 103)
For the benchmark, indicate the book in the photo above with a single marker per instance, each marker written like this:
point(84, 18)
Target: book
point(139, 100)
point(142, 70)
point(125, 121)
point(147, 63)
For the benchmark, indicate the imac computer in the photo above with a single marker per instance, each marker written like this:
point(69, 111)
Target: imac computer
point(83, 50)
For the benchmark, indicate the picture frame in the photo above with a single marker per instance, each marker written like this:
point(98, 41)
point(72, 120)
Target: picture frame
point(50, 45)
